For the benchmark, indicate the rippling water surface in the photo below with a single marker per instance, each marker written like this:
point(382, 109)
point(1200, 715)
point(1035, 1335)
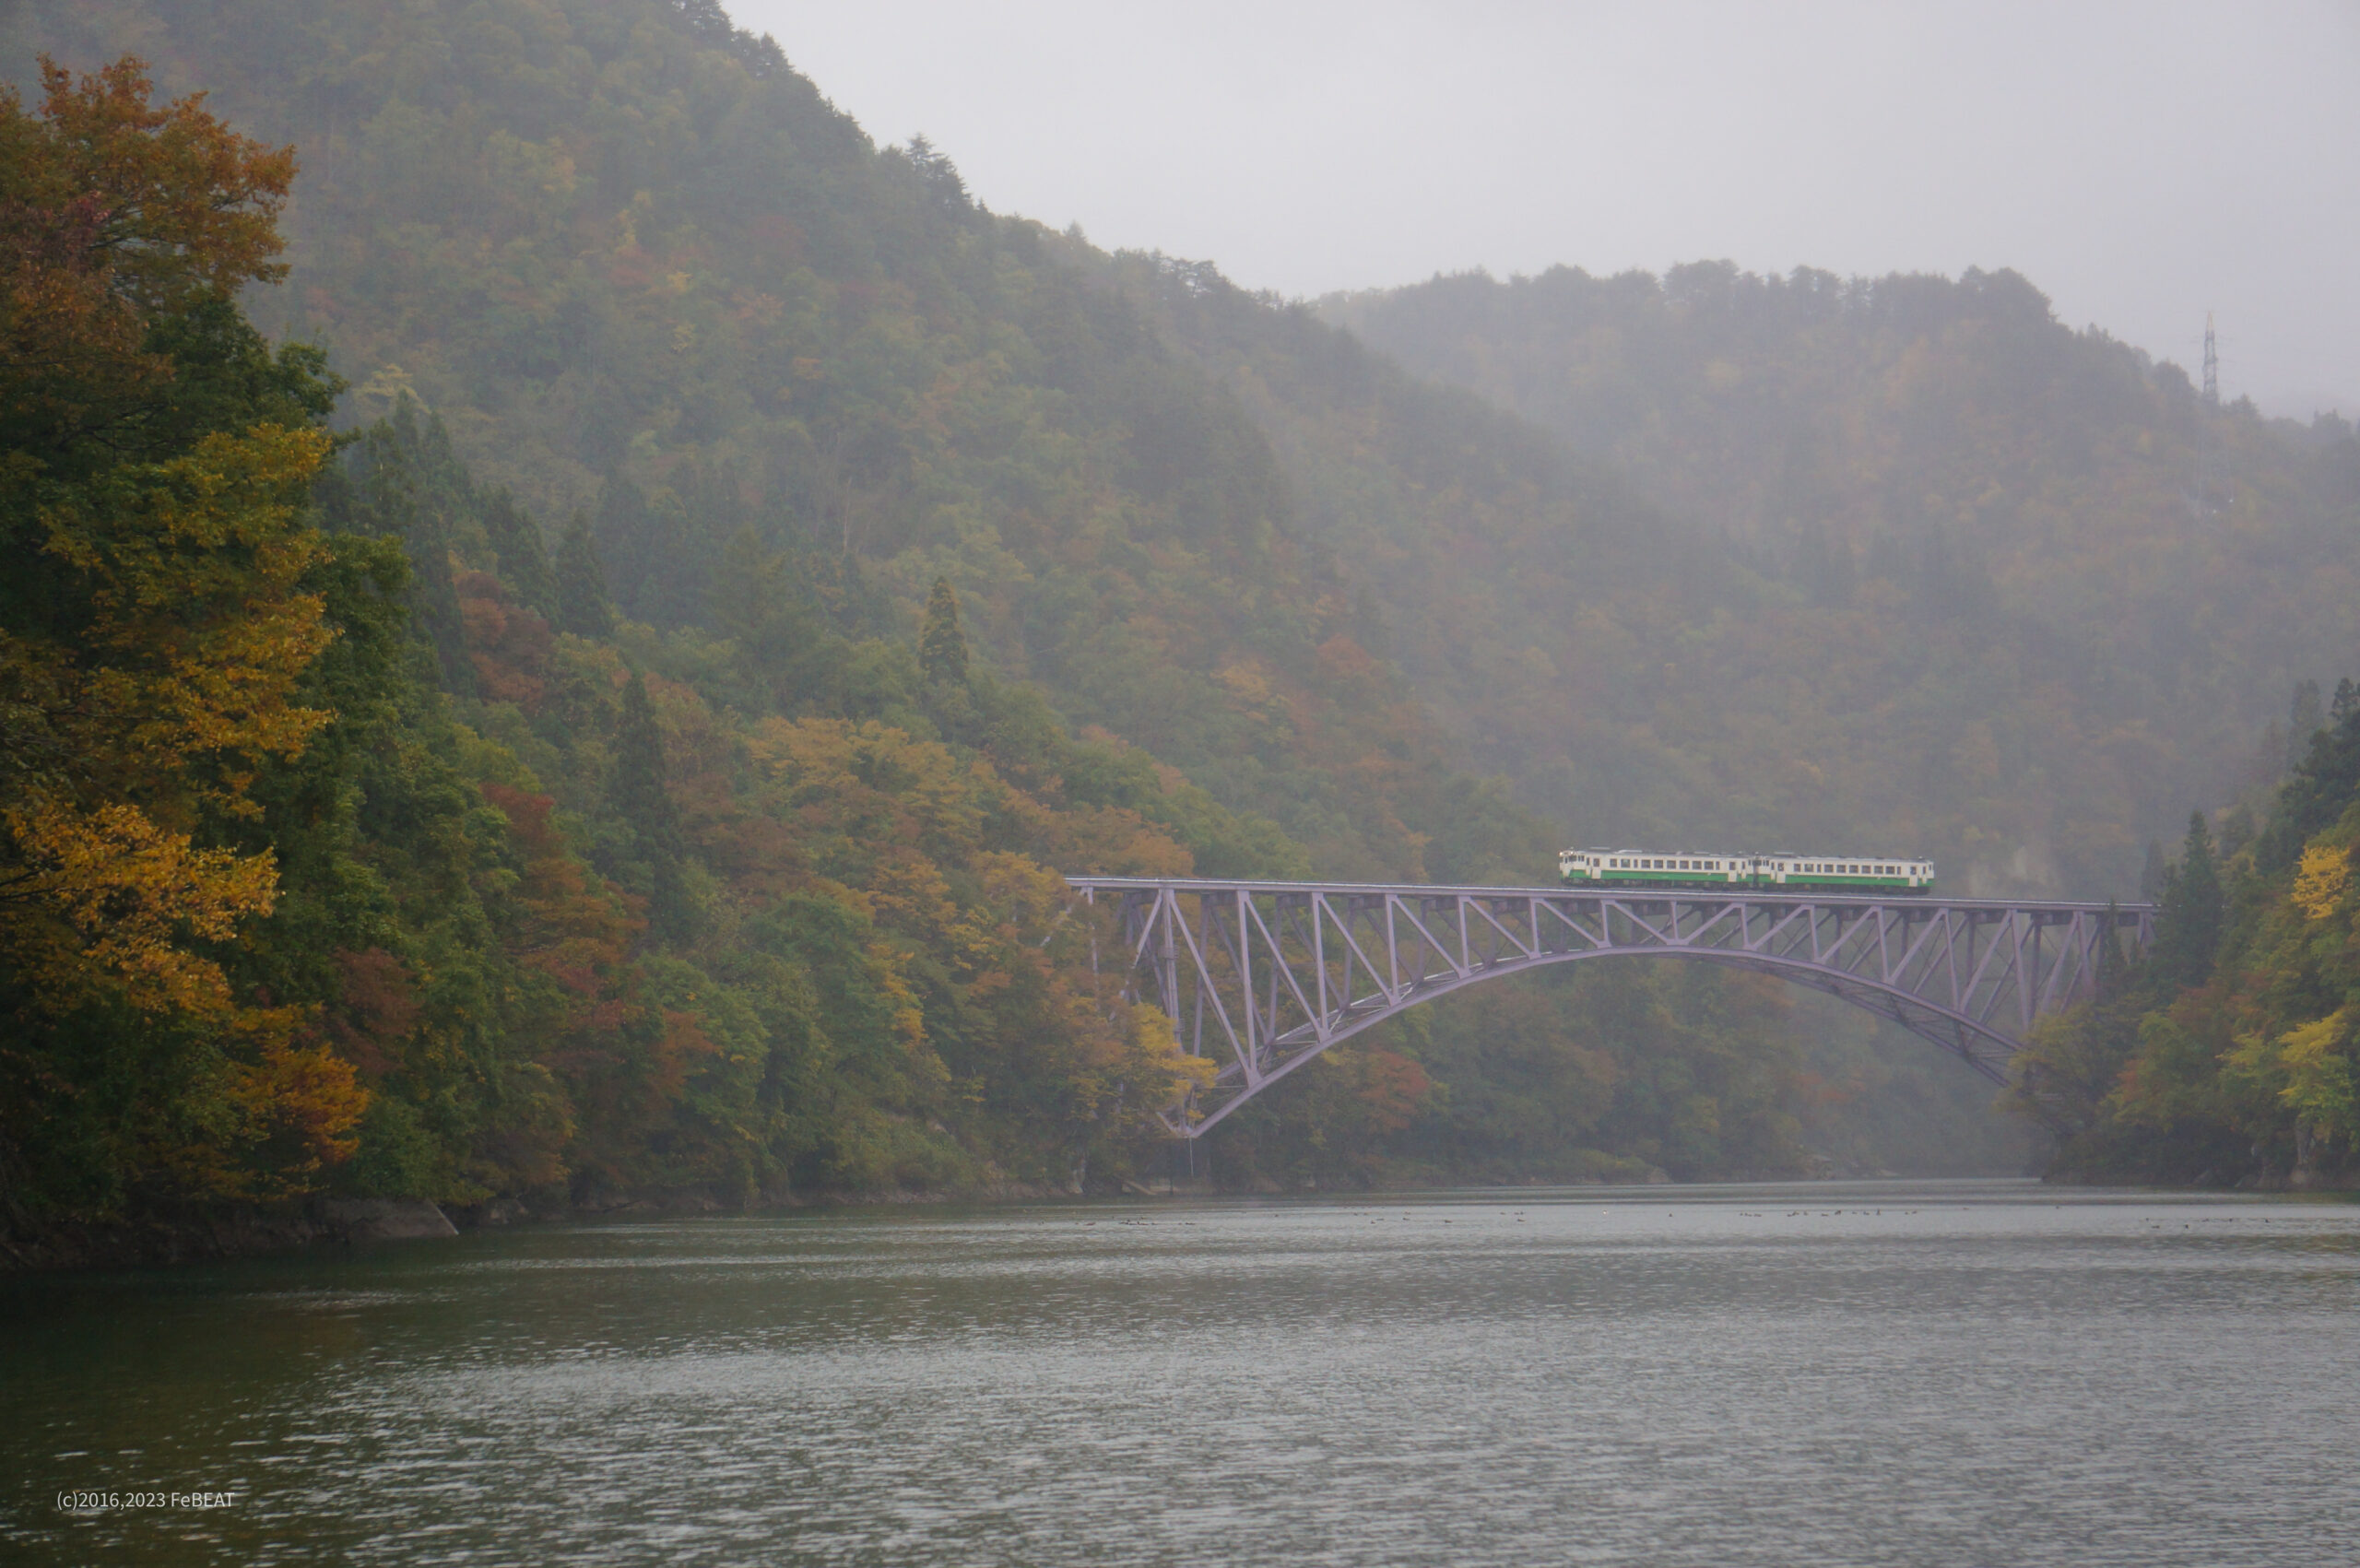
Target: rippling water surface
point(1946, 1373)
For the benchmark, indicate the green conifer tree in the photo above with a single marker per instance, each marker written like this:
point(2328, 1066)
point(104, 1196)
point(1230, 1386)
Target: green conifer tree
point(942, 647)
point(523, 560)
point(394, 494)
point(637, 790)
point(2188, 929)
point(2305, 718)
point(583, 608)
point(637, 793)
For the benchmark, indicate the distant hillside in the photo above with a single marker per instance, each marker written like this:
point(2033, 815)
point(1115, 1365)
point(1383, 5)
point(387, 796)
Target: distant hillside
point(2021, 595)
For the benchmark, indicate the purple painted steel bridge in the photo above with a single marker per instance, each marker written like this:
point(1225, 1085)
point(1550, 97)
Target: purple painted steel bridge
point(1264, 976)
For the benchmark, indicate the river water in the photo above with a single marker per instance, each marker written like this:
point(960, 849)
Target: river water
point(1940, 1373)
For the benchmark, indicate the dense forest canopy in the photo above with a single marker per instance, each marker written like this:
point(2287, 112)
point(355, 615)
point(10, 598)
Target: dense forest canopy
point(748, 571)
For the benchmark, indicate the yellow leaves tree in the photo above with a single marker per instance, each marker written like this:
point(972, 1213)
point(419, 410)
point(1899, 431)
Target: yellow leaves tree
point(2322, 878)
point(157, 619)
point(155, 718)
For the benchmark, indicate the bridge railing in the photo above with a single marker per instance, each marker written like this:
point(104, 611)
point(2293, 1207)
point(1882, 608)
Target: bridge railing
point(1264, 976)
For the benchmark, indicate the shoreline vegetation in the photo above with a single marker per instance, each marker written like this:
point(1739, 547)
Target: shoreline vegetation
point(642, 757)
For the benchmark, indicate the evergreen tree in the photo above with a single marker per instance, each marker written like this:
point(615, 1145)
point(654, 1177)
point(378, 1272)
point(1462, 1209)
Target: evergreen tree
point(2153, 874)
point(942, 647)
point(2304, 720)
point(637, 789)
point(637, 793)
point(524, 561)
point(2320, 789)
point(582, 604)
point(2188, 929)
point(394, 494)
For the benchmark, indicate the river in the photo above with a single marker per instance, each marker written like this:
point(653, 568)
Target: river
point(1939, 1373)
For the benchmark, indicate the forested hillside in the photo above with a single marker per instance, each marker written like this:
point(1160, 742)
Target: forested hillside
point(352, 842)
point(639, 267)
point(636, 759)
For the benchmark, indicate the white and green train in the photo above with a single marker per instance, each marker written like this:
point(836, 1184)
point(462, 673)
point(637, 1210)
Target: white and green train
point(1763, 873)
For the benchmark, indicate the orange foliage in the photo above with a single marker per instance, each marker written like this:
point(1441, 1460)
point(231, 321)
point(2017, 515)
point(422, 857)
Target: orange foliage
point(113, 209)
point(508, 644)
point(376, 1008)
point(571, 932)
point(1393, 1089)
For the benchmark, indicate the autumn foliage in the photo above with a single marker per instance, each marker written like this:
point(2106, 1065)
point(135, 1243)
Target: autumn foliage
point(157, 619)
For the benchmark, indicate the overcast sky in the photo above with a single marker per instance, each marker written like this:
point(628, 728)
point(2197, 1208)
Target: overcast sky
point(2139, 162)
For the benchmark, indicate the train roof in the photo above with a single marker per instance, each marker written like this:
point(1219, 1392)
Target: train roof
point(1745, 854)
point(1712, 854)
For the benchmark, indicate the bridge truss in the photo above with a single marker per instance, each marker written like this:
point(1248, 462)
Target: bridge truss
point(1264, 976)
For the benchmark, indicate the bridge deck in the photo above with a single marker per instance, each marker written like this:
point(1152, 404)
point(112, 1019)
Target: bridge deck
point(1628, 895)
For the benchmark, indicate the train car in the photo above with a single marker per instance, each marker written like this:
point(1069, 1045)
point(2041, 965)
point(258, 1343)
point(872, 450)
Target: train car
point(1602, 867)
point(1845, 873)
point(1655, 869)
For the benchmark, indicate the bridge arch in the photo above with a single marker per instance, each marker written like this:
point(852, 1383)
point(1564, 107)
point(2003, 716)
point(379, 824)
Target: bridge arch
point(1264, 976)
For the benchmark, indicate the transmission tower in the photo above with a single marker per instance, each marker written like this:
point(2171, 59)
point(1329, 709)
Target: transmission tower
point(2210, 496)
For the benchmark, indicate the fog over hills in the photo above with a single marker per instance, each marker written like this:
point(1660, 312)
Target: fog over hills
point(2143, 163)
point(945, 549)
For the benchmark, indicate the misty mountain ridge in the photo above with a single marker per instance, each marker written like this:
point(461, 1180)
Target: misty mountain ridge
point(1776, 561)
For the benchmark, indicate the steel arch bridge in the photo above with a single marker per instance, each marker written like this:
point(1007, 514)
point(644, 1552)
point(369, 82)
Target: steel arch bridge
point(1269, 974)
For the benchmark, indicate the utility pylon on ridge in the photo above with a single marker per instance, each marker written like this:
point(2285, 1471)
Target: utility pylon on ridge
point(2209, 496)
